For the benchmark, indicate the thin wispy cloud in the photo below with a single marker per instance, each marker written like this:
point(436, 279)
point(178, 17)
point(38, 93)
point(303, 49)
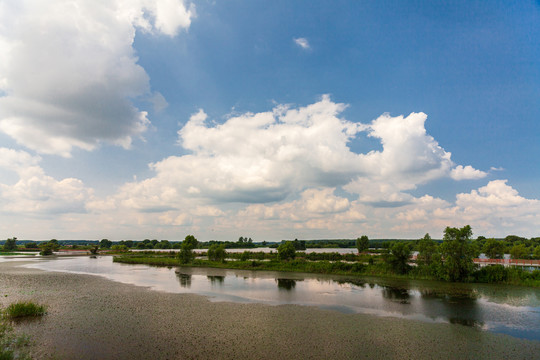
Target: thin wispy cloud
point(303, 43)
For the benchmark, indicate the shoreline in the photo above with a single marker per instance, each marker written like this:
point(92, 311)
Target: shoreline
point(91, 317)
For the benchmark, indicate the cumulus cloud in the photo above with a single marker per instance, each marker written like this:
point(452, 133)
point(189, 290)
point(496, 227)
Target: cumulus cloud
point(291, 171)
point(466, 173)
point(35, 192)
point(254, 158)
point(68, 70)
point(302, 42)
point(280, 154)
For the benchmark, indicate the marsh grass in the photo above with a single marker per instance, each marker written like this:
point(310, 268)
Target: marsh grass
point(24, 309)
point(12, 346)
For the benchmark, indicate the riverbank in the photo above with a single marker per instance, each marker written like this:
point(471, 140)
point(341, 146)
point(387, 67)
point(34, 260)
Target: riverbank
point(337, 267)
point(90, 317)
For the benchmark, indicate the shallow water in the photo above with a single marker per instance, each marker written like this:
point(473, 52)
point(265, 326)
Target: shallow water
point(503, 309)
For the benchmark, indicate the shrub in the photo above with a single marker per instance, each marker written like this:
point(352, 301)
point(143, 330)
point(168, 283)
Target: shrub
point(217, 253)
point(10, 244)
point(46, 249)
point(492, 274)
point(286, 251)
point(186, 254)
point(24, 309)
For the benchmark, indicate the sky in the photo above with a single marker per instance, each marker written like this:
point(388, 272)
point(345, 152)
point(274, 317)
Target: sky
point(268, 119)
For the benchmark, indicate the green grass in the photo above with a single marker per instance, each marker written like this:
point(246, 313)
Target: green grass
point(24, 309)
point(14, 346)
point(378, 269)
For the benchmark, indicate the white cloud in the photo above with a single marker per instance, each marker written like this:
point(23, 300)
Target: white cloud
point(254, 158)
point(302, 42)
point(68, 70)
point(277, 155)
point(289, 172)
point(466, 173)
point(36, 193)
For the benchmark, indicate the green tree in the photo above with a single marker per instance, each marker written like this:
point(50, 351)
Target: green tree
point(105, 244)
point(536, 252)
point(31, 245)
point(427, 250)
point(164, 244)
point(54, 244)
point(10, 244)
point(49, 247)
point(299, 245)
point(362, 243)
point(399, 257)
point(493, 249)
point(519, 252)
point(186, 254)
point(457, 253)
point(286, 251)
point(217, 252)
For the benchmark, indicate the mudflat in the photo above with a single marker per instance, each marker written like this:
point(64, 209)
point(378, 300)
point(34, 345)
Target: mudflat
point(90, 317)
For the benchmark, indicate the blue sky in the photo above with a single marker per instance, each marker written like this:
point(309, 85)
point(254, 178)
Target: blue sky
point(282, 119)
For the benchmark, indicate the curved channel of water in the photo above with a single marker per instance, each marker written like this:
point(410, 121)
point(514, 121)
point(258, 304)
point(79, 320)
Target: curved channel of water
point(503, 309)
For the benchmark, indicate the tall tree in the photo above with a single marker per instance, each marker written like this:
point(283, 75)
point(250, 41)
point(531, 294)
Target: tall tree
point(186, 254)
point(494, 249)
point(427, 248)
point(457, 253)
point(286, 251)
point(10, 244)
point(362, 243)
point(519, 252)
point(105, 244)
point(399, 257)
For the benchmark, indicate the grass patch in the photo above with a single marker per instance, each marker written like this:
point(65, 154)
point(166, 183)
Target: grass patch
point(12, 346)
point(24, 309)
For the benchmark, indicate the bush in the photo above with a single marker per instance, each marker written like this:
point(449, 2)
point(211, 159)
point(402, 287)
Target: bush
point(492, 274)
point(286, 251)
point(46, 250)
point(24, 309)
point(217, 253)
point(186, 254)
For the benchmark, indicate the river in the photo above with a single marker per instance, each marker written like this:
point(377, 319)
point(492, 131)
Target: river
point(497, 308)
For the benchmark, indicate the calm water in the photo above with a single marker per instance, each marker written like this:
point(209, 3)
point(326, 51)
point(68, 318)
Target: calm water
point(504, 309)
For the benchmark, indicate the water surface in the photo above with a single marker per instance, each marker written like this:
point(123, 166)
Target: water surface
point(503, 309)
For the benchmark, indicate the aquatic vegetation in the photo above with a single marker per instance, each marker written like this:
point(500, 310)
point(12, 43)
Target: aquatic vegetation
point(13, 346)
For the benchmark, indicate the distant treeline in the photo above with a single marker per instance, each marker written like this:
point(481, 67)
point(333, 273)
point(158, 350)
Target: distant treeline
point(519, 247)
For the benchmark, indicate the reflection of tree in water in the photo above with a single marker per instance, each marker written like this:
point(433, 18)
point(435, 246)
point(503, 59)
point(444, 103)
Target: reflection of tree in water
point(465, 322)
point(216, 279)
point(185, 280)
point(458, 305)
point(286, 284)
point(396, 294)
point(429, 294)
